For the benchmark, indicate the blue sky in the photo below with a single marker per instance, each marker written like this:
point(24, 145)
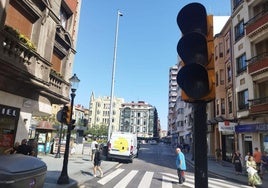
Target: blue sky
point(147, 40)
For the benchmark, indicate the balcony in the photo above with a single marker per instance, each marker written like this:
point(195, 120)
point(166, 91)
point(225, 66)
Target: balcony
point(259, 106)
point(21, 58)
point(258, 64)
point(26, 73)
point(257, 24)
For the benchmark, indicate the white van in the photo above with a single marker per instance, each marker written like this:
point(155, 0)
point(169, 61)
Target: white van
point(123, 145)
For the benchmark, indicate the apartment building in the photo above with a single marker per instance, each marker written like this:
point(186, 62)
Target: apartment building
point(37, 54)
point(224, 119)
point(250, 47)
point(139, 118)
point(172, 97)
point(99, 111)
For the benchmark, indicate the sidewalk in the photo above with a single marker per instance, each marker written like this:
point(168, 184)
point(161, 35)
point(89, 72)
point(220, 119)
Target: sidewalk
point(226, 170)
point(80, 169)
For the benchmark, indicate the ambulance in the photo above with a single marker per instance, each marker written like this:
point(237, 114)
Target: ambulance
point(123, 146)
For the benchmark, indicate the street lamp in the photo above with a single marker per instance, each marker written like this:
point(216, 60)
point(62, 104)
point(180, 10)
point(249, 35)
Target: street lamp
point(64, 178)
point(113, 75)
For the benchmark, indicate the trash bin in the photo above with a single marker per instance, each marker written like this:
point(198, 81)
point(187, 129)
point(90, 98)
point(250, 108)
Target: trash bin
point(19, 170)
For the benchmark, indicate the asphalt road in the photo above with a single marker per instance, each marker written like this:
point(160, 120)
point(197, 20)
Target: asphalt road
point(154, 168)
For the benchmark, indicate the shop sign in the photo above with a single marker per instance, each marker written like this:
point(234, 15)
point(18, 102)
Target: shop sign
point(9, 111)
point(261, 127)
point(227, 126)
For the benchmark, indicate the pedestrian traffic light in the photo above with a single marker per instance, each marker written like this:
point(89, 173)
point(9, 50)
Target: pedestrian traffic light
point(66, 114)
point(196, 77)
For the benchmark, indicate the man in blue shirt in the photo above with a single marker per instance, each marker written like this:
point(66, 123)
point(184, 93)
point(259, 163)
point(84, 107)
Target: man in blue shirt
point(181, 165)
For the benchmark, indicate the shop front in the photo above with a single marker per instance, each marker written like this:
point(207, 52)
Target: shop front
point(43, 134)
point(9, 117)
point(227, 130)
point(253, 135)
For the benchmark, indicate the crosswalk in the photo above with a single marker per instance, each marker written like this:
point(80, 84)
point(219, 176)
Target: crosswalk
point(168, 180)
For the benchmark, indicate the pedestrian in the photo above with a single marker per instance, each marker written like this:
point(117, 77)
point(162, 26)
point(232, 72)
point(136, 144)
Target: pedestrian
point(13, 149)
point(253, 177)
point(218, 155)
point(93, 148)
point(257, 158)
point(247, 156)
point(237, 162)
point(181, 165)
point(264, 164)
point(246, 159)
point(97, 162)
point(25, 149)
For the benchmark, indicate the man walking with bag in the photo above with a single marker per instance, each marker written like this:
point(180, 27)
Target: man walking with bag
point(181, 165)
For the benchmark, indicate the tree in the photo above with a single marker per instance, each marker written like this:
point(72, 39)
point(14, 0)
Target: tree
point(98, 131)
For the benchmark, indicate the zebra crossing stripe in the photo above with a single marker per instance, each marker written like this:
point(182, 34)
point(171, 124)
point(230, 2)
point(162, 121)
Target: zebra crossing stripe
point(110, 176)
point(125, 181)
point(215, 183)
point(146, 180)
point(167, 182)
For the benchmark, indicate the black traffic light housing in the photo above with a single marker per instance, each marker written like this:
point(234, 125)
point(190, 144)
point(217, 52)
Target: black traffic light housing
point(66, 115)
point(196, 78)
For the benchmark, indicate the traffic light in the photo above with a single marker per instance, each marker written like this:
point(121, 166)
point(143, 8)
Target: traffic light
point(196, 77)
point(66, 115)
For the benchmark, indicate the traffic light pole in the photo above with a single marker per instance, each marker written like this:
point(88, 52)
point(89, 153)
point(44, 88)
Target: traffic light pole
point(59, 143)
point(200, 144)
point(64, 178)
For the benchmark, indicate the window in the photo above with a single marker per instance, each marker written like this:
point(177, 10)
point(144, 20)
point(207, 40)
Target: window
point(230, 104)
point(217, 106)
point(222, 77)
point(220, 50)
point(56, 61)
point(180, 111)
point(227, 45)
point(243, 100)
point(216, 52)
point(63, 18)
point(222, 106)
point(241, 64)
point(217, 79)
point(229, 73)
point(239, 30)
point(236, 3)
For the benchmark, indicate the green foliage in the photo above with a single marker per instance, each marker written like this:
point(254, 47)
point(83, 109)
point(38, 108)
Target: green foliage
point(98, 131)
point(25, 40)
point(55, 73)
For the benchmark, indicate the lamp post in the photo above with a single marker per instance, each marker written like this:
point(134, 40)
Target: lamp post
point(113, 75)
point(64, 178)
point(59, 143)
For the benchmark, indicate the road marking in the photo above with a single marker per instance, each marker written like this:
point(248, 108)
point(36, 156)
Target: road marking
point(125, 181)
point(168, 174)
point(146, 180)
point(119, 165)
point(110, 176)
point(167, 182)
point(214, 183)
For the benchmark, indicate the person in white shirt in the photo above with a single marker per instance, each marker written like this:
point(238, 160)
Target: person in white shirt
point(93, 148)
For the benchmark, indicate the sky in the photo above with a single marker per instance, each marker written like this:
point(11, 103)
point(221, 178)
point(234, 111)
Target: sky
point(147, 40)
